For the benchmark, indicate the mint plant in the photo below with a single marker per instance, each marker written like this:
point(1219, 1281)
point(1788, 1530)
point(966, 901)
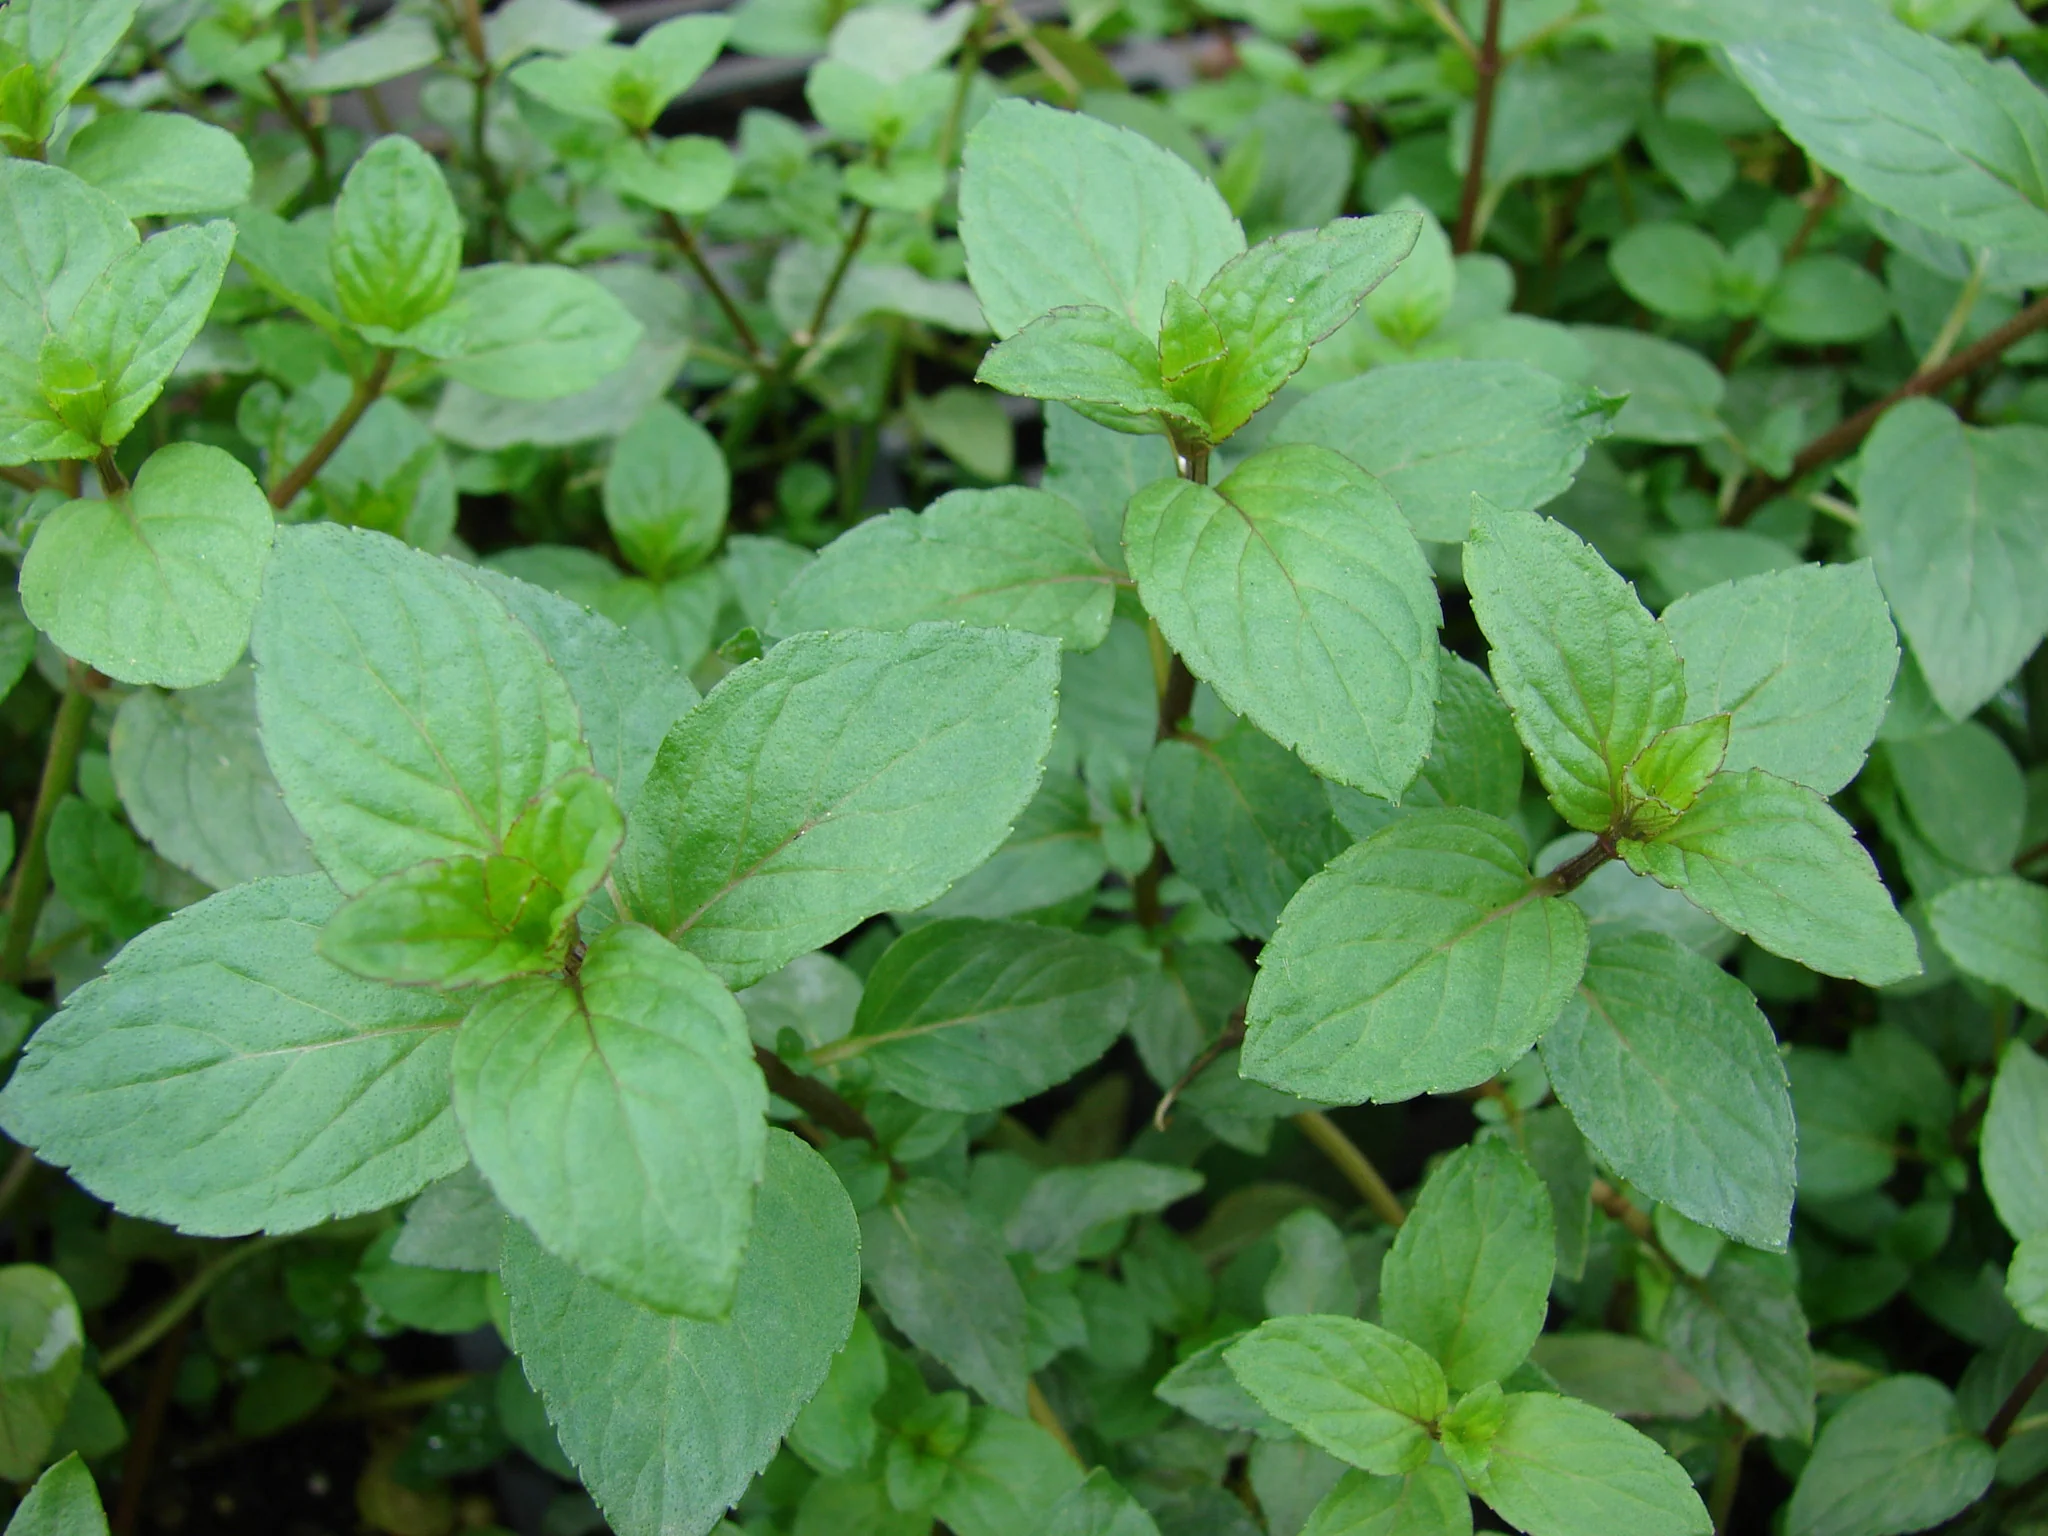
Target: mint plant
point(1304, 804)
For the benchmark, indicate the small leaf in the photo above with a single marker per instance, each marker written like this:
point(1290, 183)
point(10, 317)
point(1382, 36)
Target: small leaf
point(1421, 961)
point(643, 1072)
point(534, 332)
point(63, 1502)
point(1742, 1334)
point(42, 1341)
point(1668, 775)
point(397, 237)
point(1895, 1457)
point(2015, 1130)
point(1591, 678)
point(1188, 337)
point(1295, 590)
point(159, 164)
point(1561, 1467)
point(1429, 1501)
point(1363, 1394)
point(1468, 1277)
point(666, 492)
point(1997, 930)
point(1098, 1507)
point(1066, 1204)
point(1772, 860)
point(1096, 361)
point(159, 585)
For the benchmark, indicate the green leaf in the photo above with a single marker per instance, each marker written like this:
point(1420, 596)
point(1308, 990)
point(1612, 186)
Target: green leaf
point(1674, 1076)
point(1965, 794)
point(1952, 519)
point(1314, 1271)
point(1429, 1501)
point(1188, 336)
point(1365, 1395)
point(63, 1502)
point(1278, 299)
point(1846, 1132)
point(97, 868)
point(1475, 758)
point(436, 1300)
point(1066, 1204)
point(666, 492)
point(290, 260)
point(687, 176)
point(1434, 433)
point(406, 713)
point(1591, 678)
point(42, 1340)
point(836, 1431)
point(455, 1223)
point(2015, 1130)
point(1243, 819)
point(1004, 1477)
point(1295, 590)
point(159, 585)
point(1742, 1334)
point(1058, 209)
point(161, 164)
point(398, 46)
point(534, 332)
point(1826, 300)
point(1203, 1387)
point(1099, 470)
point(1631, 1379)
point(193, 781)
point(840, 775)
point(938, 1273)
point(1895, 1457)
point(1674, 269)
point(1802, 660)
point(1468, 1277)
point(1997, 930)
point(66, 42)
point(1932, 132)
point(668, 1419)
point(643, 1070)
point(1096, 360)
point(1007, 558)
point(223, 1078)
point(2026, 1280)
point(397, 238)
point(970, 426)
point(1098, 1507)
point(1667, 777)
point(971, 1016)
point(1673, 393)
point(1771, 859)
point(1561, 1467)
point(1422, 960)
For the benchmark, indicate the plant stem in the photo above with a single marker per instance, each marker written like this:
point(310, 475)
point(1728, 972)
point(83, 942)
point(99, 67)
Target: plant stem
point(1454, 29)
point(305, 128)
point(2000, 1428)
point(1487, 63)
point(16, 1178)
point(309, 27)
point(971, 52)
point(814, 1098)
point(1958, 316)
point(1727, 1477)
point(163, 1381)
point(1819, 199)
point(1575, 871)
point(167, 1316)
point(32, 874)
point(25, 479)
point(1353, 1164)
point(1624, 1210)
point(112, 481)
point(1848, 435)
point(855, 239)
point(679, 235)
point(1043, 1416)
point(367, 389)
point(1230, 1035)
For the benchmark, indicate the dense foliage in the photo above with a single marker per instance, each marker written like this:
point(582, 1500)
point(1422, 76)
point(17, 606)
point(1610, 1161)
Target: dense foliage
point(1062, 1008)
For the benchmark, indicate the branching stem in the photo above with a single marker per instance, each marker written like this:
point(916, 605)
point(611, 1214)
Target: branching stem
point(679, 235)
point(1341, 1150)
point(367, 390)
point(1487, 64)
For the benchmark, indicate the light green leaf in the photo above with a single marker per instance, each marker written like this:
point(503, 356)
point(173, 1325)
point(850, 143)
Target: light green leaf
point(159, 585)
point(434, 1300)
point(1243, 819)
point(1430, 1501)
point(1997, 930)
point(1053, 855)
point(1421, 961)
point(1295, 590)
point(1953, 517)
point(1361, 1393)
point(1674, 269)
point(687, 176)
point(1742, 1334)
point(223, 1078)
point(66, 42)
point(158, 164)
point(1098, 1507)
point(970, 1015)
point(63, 1502)
point(1004, 1477)
point(1673, 393)
point(1066, 1204)
point(1826, 300)
point(1936, 133)
point(970, 426)
point(840, 775)
point(1895, 1458)
point(1561, 1467)
point(535, 332)
point(668, 1419)
point(2026, 1280)
point(1770, 859)
point(290, 260)
point(1188, 336)
point(1314, 1271)
point(1097, 361)
point(1668, 775)
point(2015, 1131)
point(940, 1276)
point(193, 781)
point(1468, 1277)
point(1006, 558)
point(1628, 1377)
point(397, 240)
point(1965, 794)
point(1040, 186)
point(1270, 305)
point(1674, 1076)
point(42, 1340)
point(644, 1073)
point(1434, 433)
point(1203, 1387)
point(1846, 1131)
point(1802, 660)
point(1591, 678)
point(1475, 758)
point(455, 1223)
point(406, 713)
point(1099, 470)
point(836, 1431)
point(666, 492)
